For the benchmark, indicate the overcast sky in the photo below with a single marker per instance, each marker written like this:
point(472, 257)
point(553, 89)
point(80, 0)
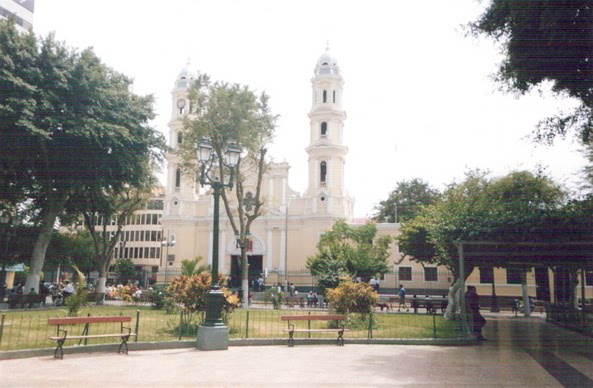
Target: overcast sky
point(418, 93)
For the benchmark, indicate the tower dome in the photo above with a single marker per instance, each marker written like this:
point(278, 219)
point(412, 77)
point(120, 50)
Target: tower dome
point(185, 77)
point(326, 64)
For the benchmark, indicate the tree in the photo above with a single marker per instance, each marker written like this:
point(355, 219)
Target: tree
point(192, 267)
point(71, 248)
point(512, 208)
point(406, 201)
point(546, 40)
point(226, 114)
point(67, 121)
point(102, 208)
point(125, 269)
point(355, 251)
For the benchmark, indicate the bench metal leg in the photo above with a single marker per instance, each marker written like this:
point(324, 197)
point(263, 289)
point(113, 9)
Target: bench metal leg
point(124, 342)
point(341, 338)
point(59, 347)
point(290, 339)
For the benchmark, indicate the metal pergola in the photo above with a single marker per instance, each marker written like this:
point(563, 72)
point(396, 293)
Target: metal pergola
point(568, 254)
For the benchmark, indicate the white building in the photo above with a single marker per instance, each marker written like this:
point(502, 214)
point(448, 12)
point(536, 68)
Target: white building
point(21, 10)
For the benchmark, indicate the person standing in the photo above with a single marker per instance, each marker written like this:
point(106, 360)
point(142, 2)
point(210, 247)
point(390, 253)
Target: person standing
point(472, 300)
point(402, 298)
point(68, 289)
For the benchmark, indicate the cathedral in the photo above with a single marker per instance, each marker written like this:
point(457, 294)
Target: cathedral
point(288, 230)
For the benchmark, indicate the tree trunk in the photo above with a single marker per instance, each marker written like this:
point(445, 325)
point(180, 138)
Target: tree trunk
point(574, 288)
point(54, 207)
point(525, 294)
point(454, 298)
point(101, 285)
point(244, 276)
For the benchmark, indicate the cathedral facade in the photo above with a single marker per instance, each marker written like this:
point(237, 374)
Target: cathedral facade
point(288, 231)
point(291, 224)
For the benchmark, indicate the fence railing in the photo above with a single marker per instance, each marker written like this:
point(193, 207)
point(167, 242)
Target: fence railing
point(570, 317)
point(30, 329)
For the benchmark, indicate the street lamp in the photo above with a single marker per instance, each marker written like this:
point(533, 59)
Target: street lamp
point(286, 242)
point(166, 243)
point(7, 233)
point(213, 334)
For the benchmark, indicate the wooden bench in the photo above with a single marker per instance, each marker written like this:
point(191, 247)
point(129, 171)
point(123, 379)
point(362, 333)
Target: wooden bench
point(292, 301)
point(145, 297)
point(123, 335)
point(25, 300)
point(430, 304)
point(291, 329)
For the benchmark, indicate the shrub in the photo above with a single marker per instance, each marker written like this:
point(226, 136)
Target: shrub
point(273, 295)
point(351, 297)
point(79, 299)
point(190, 292)
point(157, 297)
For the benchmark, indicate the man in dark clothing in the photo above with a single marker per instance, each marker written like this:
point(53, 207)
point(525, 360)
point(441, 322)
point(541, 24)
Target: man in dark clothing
point(472, 301)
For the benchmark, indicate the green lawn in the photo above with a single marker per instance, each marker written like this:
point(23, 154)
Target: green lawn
point(29, 329)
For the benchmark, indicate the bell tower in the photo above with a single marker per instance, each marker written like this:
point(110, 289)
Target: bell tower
point(326, 151)
point(181, 187)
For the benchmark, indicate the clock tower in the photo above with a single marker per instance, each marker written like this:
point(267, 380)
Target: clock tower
point(181, 187)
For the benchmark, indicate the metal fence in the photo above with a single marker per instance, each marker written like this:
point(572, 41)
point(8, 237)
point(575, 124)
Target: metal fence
point(30, 329)
point(570, 317)
point(422, 282)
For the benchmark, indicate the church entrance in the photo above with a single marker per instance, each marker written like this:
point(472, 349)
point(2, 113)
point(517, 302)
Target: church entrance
point(254, 269)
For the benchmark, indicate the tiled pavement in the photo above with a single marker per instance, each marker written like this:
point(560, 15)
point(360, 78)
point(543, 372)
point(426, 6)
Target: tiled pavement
point(520, 352)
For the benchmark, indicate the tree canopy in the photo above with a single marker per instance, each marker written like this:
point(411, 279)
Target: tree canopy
point(406, 201)
point(518, 207)
point(67, 122)
point(546, 40)
point(515, 207)
point(352, 251)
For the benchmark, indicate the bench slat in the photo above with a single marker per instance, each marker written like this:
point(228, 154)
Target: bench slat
point(94, 336)
point(314, 330)
point(312, 317)
point(79, 320)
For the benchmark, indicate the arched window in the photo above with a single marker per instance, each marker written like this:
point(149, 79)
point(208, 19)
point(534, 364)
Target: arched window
point(323, 172)
point(179, 137)
point(323, 128)
point(177, 179)
point(324, 96)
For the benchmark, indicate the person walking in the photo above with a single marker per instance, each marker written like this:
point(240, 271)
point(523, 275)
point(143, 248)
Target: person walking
point(402, 298)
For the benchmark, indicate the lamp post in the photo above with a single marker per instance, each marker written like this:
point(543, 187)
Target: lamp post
point(7, 233)
point(166, 243)
point(213, 333)
point(122, 245)
point(494, 302)
point(286, 242)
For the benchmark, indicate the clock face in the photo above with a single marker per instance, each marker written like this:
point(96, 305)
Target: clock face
point(180, 103)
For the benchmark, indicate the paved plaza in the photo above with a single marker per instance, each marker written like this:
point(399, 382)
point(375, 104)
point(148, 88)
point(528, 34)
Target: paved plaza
point(520, 352)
